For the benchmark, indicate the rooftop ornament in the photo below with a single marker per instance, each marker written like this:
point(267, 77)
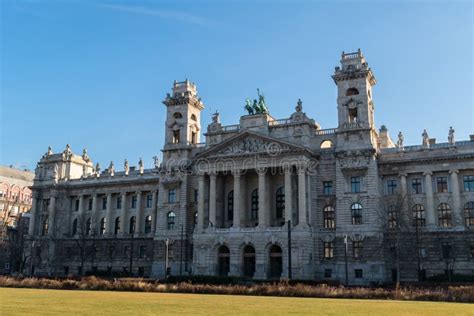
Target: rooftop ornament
point(257, 107)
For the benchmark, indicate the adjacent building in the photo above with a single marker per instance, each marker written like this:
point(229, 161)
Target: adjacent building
point(357, 204)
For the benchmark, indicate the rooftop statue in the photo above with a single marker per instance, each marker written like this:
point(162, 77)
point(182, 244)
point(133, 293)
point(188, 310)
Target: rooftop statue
point(299, 106)
point(451, 136)
point(257, 107)
point(400, 140)
point(426, 139)
point(126, 167)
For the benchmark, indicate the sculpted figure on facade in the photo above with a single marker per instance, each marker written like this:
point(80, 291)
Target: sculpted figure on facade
point(126, 167)
point(50, 151)
point(111, 169)
point(299, 106)
point(216, 118)
point(85, 156)
point(451, 136)
point(400, 140)
point(426, 139)
point(140, 166)
point(67, 153)
point(55, 172)
point(97, 170)
point(248, 107)
point(156, 162)
point(84, 171)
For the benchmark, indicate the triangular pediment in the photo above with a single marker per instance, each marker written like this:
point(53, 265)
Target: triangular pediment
point(251, 143)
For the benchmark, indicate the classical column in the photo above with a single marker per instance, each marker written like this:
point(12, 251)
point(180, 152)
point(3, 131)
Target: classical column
point(51, 213)
point(430, 212)
point(288, 194)
point(81, 205)
point(262, 198)
point(457, 212)
point(200, 221)
point(94, 214)
point(154, 212)
point(139, 224)
point(237, 199)
point(403, 185)
point(34, 205)
point(212, 200)
point(123, 214)
point(108, 215)
point(302, 220)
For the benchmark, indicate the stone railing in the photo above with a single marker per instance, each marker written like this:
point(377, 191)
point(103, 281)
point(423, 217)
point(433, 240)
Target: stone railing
point(231, 128)
point(327, 131)
point(279, 122)
point(463, 143)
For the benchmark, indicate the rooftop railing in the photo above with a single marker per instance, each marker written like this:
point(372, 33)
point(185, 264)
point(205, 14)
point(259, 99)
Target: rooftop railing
point(326, 131)
point(463, 143)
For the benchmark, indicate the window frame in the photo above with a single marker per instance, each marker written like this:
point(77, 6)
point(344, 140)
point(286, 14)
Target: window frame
point(254, 205)
point(356, 184)
point(468, 183)
point(280, 203)
point(328, 248)
point(329, 217)
point(417, 186)
point(445, 215)
point(327, 188)
point(171, 220)
point(442, 184)
point(356, 213)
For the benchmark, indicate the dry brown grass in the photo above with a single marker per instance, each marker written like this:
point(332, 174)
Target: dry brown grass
point(463, 294)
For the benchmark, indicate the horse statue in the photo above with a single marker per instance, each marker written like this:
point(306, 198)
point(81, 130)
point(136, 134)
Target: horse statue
point(256, 107)
point(248, 106)
point(262, 105)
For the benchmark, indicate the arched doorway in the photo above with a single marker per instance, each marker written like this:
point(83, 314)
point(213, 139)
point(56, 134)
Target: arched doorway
point(223, 260)
point(249, 261)
point(275, 262)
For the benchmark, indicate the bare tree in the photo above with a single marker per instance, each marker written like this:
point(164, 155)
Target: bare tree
point(81, 236)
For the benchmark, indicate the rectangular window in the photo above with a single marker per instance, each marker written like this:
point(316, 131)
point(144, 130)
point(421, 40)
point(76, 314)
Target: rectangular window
point(172, 196)
point(446, 251)
point(134, 202)
point(355, 184)
point(442, 184)
point(423, 253)
point(196, 195)
point(104, 203)
point(119, 202)
point(391, 187)
point(149, 200)
point(416, 186)
point(328, 273)
point(142, 252)
point(358, 273)
point(356, 249)
point(76, 207)
point(90, 204)
point(327, 187)
point(468, 183)
point(328, 250)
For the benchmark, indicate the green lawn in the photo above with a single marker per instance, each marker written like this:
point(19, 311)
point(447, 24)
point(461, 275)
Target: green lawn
point(61, 302)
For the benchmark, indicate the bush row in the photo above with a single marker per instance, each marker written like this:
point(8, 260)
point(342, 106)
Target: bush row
point(461, 293)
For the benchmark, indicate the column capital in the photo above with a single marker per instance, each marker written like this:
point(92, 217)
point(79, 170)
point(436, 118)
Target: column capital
point(261, 170)
point(427, 173)
point(212, 174)
point(138, 192)
point(288, 168)
point(454, 171)
point(403, 174)
point(301, 168)
point(237, 172)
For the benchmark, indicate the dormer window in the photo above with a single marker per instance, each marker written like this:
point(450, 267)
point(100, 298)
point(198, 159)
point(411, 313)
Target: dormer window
point(352, 91)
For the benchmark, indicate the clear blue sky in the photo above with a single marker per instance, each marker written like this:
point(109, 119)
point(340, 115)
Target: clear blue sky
point(94, 73)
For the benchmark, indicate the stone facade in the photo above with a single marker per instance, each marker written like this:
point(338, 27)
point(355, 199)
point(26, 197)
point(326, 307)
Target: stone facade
point(226, 206)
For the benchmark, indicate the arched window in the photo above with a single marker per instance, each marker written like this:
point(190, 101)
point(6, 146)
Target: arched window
point(193, 117)
point(133, 224)
point(254, 205)
point(444, 215)
point(88, 226)
point(280, 202)
point(469, 213)
point(392, 216)
point(103, 223)
point(329, 217)
point(352, 91)
point(223, 255)
point(45, 226)
point(418, 212)
point(356, 210)
point(148, 224)
point(249, 261)
point(275, 262)
point(177, 115)
point(117, 225)
point(74, 227)
point(171, 219)
point(326, 144)
point(230, 205)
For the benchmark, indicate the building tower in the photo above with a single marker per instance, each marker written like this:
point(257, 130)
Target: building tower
point(183, 120)
point(354, 80)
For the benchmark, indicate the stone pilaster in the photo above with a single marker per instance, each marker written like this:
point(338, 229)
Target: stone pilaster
point(108, 215)
point(212, 200)
point(154, 212)
point(302, 220)
point(457, 212)
point(94, 215)
point(430, 212)
point(123, 214)
point(139, 224)
point(34, 205)
point(237, 199)
point(263, 214)
point(201, 196)
point(52, 214)
point(81, 206)
point(288, 195)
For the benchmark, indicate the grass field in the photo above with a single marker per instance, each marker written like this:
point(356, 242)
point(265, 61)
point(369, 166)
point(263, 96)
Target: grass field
point(15, 301)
